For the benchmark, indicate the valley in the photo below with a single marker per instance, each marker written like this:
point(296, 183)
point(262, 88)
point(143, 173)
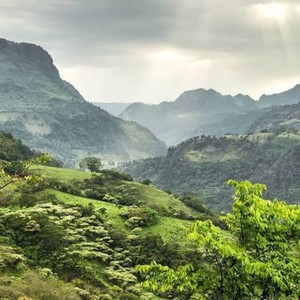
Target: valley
point(192, 199)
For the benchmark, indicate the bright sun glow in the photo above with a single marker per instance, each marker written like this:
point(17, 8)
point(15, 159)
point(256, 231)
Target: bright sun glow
point(273, 10)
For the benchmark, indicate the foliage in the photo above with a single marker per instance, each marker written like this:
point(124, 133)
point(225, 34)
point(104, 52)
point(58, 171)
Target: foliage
point(203, 165)
point(81, 246)
point(19, 170)
point(37, 285)
point(259, 261)
point(12, 149)
point(137, 217)
point(146, 181)
point(93, 164)
point(114, 175)
point(194, 201)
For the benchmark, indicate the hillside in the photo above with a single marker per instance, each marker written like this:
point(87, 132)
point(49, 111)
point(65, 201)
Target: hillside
point(206, 112)
point(281, 118)
point(114, 108)
point(291, 96)
point(204, 164)
point(49, 114)
point(79, 235)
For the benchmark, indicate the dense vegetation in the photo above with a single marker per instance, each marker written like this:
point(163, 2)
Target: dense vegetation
point(67, 234)
point(204, 164)
point(259, 260)
point(12, 149)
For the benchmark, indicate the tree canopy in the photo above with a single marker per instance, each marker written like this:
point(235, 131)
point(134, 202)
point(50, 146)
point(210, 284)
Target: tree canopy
point(19, 170)
point(93, 164)
point(257, 259)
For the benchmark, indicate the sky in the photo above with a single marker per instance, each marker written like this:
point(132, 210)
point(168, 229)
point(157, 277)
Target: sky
point(153, 50)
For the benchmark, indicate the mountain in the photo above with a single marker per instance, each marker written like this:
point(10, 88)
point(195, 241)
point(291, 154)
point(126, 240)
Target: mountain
point(291, 96)
point(114, 108)
point(49, 114)
point(172, 122)
point(207, 112)
point(204, 164)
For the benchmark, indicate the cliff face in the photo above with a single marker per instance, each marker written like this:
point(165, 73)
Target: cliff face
point(49, 114)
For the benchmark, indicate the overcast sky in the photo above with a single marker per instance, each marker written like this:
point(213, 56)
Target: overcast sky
point(152, 50)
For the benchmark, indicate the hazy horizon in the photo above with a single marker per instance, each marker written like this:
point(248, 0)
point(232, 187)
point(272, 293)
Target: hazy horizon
point(152, 51)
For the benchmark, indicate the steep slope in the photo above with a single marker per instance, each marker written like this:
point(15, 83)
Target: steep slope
point(113, 108)
point(172, 122)
point(291, 96)
point(203, 165)
point(278, 118)
point(48, 113)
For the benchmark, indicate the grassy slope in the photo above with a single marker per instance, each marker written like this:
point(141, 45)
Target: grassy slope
point(171, 229)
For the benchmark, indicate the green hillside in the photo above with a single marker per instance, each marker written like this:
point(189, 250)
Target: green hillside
point(114, 191)
point(203, 165)
point(80, 235)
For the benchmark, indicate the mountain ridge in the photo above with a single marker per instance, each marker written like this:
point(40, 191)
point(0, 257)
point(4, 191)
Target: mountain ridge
point(206, 112)
point(49, 114)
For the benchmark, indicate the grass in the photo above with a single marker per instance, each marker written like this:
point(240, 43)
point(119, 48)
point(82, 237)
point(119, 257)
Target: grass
point(152, 195)
point(66, 175)
point(146, 194)
point(171, 229)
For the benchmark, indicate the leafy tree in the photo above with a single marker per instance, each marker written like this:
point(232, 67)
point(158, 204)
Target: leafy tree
point(91, 163)
point(258, 260)
point(146, 181)
point(19, 170)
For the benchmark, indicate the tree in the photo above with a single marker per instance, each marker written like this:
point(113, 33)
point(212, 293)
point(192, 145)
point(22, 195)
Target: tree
point(257, 260)
point(93, 164)
point(19, 170)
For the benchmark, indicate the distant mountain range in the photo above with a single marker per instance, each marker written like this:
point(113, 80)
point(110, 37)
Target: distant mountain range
point(49, 114)
point(204, 164)
point(206, 112)
point(113, 108)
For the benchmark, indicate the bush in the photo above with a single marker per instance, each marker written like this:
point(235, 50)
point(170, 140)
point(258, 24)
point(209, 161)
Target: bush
point(113, 174)
point(144, 216)
point(36, 286)
point(146, 181)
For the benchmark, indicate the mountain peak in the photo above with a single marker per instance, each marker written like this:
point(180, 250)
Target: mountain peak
point(27, 68)
point(49, 114)
point(197, 94)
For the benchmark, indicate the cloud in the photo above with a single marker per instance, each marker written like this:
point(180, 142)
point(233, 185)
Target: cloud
point(126, 50)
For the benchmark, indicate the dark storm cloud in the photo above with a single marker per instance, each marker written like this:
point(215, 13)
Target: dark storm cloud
point(122, 34)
